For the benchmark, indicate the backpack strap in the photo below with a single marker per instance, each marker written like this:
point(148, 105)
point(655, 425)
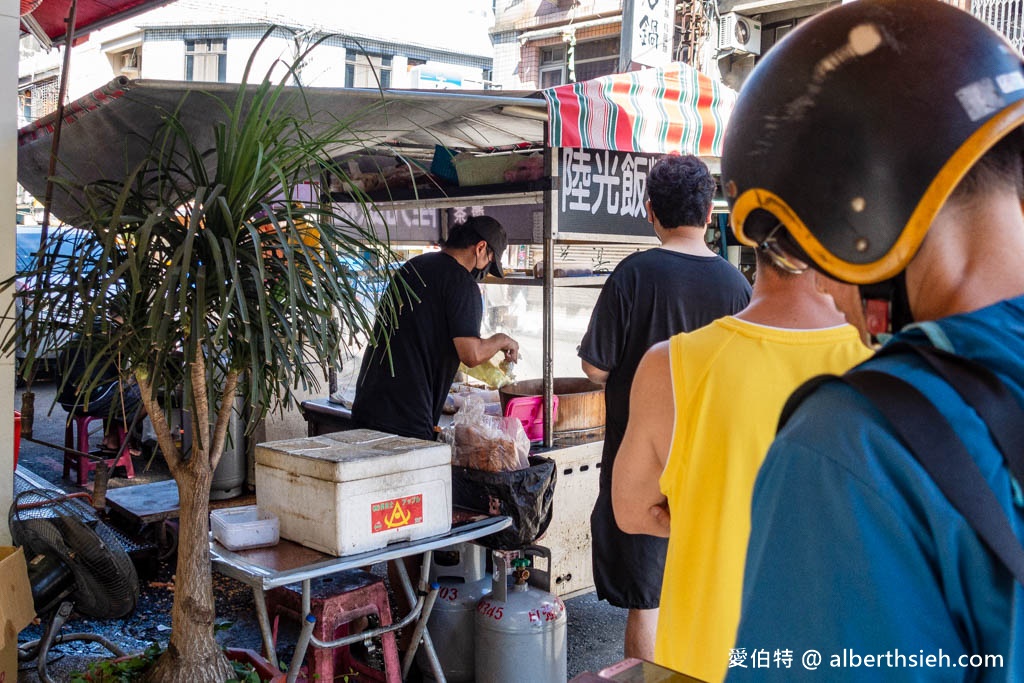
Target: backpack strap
point(799, 395)
point(981, 389)
point(942, 454)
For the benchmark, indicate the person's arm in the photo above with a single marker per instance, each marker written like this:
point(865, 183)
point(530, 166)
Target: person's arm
point(473, 350)
point(639, 505)
point(602, 345)
point(594, 373)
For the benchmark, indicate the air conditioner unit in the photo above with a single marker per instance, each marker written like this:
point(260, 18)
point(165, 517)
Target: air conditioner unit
point(739, 33)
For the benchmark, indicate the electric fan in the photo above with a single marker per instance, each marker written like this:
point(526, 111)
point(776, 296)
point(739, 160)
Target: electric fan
point(75, 564)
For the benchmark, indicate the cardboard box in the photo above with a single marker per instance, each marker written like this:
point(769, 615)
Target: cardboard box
point(16, 608)
point(355, 491)
point(482, 170)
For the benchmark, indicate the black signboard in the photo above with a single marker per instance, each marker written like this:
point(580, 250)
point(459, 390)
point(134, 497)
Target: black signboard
point(522, 222)
point(399, 225)
point(601, 194)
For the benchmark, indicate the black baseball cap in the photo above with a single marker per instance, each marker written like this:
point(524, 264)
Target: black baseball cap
point(490, 231)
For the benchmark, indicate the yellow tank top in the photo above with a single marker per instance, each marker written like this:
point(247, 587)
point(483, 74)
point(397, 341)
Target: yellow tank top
point(730, 380)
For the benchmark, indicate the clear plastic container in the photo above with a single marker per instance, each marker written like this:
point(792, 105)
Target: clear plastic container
point(244, 527)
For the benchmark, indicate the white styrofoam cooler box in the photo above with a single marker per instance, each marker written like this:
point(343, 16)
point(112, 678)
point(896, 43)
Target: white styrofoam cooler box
point(350, 492)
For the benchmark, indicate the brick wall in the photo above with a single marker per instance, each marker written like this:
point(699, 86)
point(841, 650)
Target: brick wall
point(516, 64)
point(522, 60)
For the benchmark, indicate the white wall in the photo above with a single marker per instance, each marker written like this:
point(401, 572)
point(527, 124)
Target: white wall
point(91, 68)
point(462, 26)
point(325, 67)
point(163, 59)
point(9, 26)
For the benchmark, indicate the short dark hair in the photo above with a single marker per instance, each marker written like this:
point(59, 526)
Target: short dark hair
point(1000, 167)
point(765, 261)
point(681, 190)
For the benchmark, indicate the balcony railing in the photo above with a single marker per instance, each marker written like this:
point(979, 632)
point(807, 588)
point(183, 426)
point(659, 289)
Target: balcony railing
point(1005, 16)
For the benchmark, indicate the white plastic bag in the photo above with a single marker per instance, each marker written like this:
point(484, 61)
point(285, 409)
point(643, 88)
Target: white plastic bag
point(484, 442)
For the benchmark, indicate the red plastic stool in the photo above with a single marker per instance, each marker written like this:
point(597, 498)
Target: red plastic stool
point(336, 601)
point(78, 426)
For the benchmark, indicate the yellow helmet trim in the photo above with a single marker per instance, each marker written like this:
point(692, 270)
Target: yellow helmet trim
point(895, 260)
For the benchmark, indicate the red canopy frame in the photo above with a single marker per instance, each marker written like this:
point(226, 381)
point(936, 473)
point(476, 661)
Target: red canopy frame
point(668, 110)
point(49, 18)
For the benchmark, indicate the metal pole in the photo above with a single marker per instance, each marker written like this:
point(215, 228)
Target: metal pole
point(263, 619)
point(308, 622)
point(325, 201)
point(419, 634)
point(28, 397)
point(62, 91)
point(549, 289)
point(427, 642)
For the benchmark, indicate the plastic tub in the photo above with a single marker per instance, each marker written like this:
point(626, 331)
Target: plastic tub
point(530, 411)
point(244, 527)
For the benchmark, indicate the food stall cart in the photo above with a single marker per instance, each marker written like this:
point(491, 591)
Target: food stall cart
point(596, 138)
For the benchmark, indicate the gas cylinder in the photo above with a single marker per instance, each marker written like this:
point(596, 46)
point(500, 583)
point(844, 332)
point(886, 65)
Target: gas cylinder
point(520, 629)
point(461, 571)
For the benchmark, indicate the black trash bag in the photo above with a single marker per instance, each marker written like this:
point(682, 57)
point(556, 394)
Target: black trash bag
point(524, 495)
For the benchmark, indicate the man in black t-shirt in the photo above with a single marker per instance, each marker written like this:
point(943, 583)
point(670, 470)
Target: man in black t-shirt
point(429, 322)
point(651, 295)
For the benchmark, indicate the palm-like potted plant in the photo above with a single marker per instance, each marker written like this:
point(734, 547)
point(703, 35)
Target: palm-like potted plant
point(202, 277)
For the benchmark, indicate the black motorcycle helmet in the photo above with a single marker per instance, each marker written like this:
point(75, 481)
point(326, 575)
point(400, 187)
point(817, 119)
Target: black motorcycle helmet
point(851, 133)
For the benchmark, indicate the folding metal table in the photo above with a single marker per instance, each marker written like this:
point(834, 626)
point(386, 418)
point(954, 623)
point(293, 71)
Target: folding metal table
point(288, 562)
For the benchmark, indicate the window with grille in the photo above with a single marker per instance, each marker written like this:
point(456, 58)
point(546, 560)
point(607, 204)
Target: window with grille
point(25, 100)
point(552, 66)
point(363, 71)
point(596, 58)
point(206, 60)
point(591, 58)
point(1005, 16)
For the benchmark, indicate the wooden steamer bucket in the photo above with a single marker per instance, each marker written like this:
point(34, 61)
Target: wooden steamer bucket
point(580, 403)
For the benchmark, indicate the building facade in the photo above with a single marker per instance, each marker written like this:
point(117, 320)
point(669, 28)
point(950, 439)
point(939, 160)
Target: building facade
point(197, 40)
point(200, 40)
point(540, 43)
point(471, 44)
point(747, 29)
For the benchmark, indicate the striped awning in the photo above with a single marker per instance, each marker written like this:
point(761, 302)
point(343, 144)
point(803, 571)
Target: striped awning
point(668, 110)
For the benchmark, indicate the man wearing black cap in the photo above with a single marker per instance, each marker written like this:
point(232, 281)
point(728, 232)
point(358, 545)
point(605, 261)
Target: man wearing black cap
point(427, 323)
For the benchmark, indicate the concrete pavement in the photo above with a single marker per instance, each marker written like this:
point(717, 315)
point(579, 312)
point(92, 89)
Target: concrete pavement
point(595, 629)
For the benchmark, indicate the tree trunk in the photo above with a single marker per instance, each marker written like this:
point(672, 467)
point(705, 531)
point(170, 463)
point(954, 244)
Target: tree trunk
point(193, 655)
